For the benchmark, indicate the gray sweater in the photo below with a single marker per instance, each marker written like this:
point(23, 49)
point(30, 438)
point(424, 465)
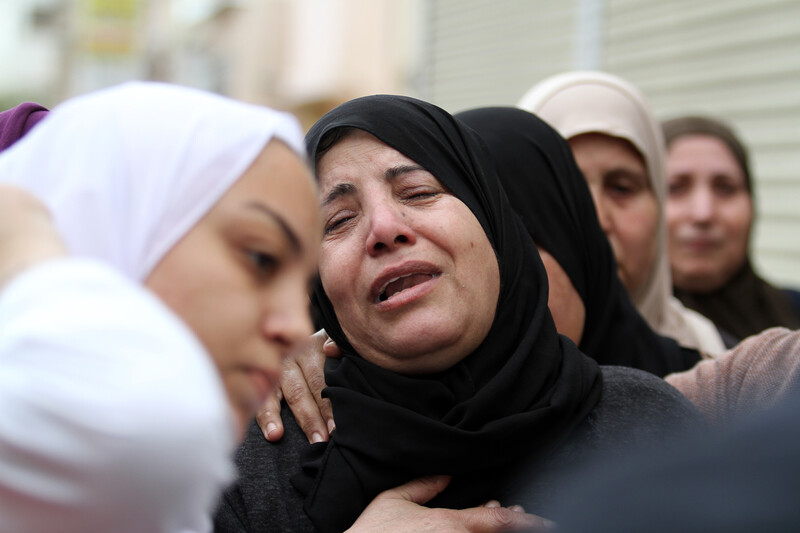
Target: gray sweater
point(636, 409)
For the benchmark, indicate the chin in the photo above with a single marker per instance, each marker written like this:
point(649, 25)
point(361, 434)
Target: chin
point(422, 349)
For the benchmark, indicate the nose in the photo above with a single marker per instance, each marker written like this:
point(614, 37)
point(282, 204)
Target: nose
point(603, 216)
point(701, 205)
point(388, 228)
point(287, 320)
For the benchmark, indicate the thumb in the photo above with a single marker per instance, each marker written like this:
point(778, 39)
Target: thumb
point(331, 349)
point(420, 490)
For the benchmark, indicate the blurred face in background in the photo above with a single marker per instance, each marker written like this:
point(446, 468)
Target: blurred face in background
point(709, 213)
point(626, 205)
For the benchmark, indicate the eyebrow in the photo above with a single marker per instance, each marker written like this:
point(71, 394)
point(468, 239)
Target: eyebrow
point(343, 189)
point(290, 235)
point(399, 170)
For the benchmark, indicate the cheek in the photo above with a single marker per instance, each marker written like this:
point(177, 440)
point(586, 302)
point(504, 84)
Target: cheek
point(739, 217)
point(636, 238)
point(674, 212)
point(638, 222)
point(338, 272)
point(227, 320)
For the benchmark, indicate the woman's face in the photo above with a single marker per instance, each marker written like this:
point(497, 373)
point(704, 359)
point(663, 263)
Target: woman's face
point(709, 213)
point(239, 277)
point(408, 268)
point(626, 204)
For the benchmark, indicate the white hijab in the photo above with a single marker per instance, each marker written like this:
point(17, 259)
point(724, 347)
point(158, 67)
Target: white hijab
point(152, 160)
point(140, 441)
point(595, 102)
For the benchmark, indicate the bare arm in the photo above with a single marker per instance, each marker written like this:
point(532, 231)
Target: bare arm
point(751, 377)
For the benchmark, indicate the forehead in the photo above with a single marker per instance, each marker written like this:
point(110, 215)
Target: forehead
point(280, 181)
point(701, 144)
point(605, 144)
point(703, 151)
point(356, 155)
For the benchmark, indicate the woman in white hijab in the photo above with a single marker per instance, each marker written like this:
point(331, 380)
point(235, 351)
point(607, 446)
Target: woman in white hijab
point(619, 146)
point(120, 406)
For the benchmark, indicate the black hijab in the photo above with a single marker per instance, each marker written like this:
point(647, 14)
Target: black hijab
point(516, 397)
point(548, 191)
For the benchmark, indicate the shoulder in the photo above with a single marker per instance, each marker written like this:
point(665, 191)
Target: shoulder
point(636, 410)
point(741, 479)
point(621, 385)
point(263, 498)
point(638, 406)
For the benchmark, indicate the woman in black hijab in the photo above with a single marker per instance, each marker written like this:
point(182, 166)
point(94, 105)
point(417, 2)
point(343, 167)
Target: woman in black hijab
point(546, 189)
point(500, 420)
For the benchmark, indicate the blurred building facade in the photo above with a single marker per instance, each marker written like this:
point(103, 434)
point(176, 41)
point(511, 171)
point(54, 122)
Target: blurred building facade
point(736, 59)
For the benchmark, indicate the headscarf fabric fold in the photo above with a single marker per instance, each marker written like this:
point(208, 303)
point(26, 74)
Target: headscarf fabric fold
point(517, 396)
point(546, 188)
point(17, 121)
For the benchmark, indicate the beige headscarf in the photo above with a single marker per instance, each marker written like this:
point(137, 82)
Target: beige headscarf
point(595, 102)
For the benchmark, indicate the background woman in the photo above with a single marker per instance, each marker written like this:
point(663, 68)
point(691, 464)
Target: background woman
point(619, 148)
point(710, 217)
point(557, 210)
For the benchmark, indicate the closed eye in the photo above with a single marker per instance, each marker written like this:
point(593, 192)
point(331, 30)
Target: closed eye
point(337, 223)
point(421, 195)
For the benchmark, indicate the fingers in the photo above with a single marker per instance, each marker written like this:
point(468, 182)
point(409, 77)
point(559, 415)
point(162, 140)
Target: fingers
point(330, 348)
point(269, 417)
point(298, 395)
point(312, 365)
point(494, 519)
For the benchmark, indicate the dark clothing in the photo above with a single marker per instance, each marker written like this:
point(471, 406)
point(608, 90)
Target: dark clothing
point(745, 306)
point(556, 207)
point(17, 121)
point(743, 480)
point(635, 410)
point(522, 379)
point(794, 297)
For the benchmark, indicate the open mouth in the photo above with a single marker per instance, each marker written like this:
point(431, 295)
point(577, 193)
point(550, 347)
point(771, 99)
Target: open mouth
point(397, 285)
